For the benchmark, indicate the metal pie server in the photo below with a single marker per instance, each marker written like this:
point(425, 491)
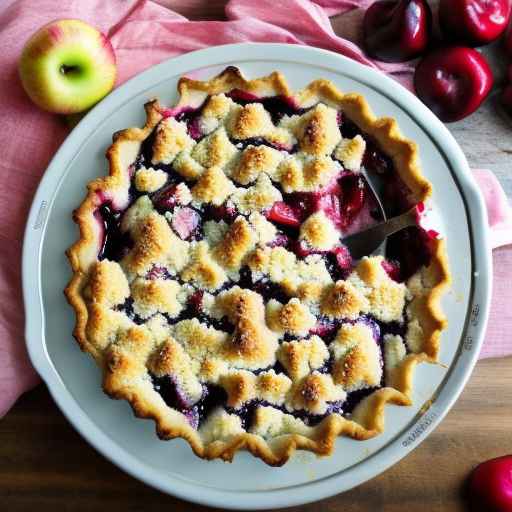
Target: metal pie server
point(373, 240)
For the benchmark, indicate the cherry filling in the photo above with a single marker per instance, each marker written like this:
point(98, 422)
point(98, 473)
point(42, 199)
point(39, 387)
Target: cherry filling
point(326, 329)
point(217, 213)
point(158, 272)
point(175, 397)
point(276, 106)
point(115, 244)
point(214, 397)
point(191, 118)
point(166, 199)
point(410, 249)
point(194, 309)
point(346, 201)
point(354, 398)
point(265, 287)
point(127, 309)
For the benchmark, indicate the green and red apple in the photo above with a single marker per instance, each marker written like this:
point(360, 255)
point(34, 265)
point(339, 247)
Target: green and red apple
point(67, 66)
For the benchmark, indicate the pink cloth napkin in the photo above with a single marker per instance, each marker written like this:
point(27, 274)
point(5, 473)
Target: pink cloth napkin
point(144, 33)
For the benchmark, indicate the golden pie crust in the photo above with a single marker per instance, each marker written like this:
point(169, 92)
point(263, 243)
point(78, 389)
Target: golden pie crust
point(194, 353)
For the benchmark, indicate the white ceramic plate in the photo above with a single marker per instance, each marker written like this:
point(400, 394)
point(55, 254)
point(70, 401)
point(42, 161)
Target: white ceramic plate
point(248, 483)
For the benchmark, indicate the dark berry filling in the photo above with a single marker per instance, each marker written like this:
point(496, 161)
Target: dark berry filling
point(194, 309)
point(146, 151)
point(116, 244)
point(354, 398)
point(166, 198)
point(196, 413)
point(266, 288)
point(376, 161)
point(217, 213)
point(326, 329)
point(342, 200)
point(158, 272)
point(348, 128)
point(411, 249)
point(353, 198)
point(276, 106)
point(191, 118)
point(127, 309)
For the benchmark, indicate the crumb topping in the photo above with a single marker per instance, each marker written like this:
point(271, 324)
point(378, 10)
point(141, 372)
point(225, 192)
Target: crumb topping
point(343, 300)
point(356, 358)
point(241, 302)
point(156, 296)
point(386, 298)
point(171, 139)
point(108, 284)
point(350, 153)
point(318, 130)
point(213, 186)
point(258, 197)
point(254, 161)
point(293, 317)
point(300, 357)
point(149, 180)
point(394, 352)
point(314, 392)
point(203, 269)
point(235, 245)
point(155, 243)
point(214, 150)
point(319, 232)
point(250, 121)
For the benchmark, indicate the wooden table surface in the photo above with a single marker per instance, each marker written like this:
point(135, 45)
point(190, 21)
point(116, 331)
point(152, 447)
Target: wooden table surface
point(45, 465)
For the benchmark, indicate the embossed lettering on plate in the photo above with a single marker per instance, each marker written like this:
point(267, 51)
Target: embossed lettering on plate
point(41, 215)
point(419, 429)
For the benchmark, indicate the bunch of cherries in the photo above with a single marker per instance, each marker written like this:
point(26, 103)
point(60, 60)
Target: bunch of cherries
point(451, 78)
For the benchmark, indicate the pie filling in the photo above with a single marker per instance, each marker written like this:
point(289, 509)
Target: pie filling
point(344, 200)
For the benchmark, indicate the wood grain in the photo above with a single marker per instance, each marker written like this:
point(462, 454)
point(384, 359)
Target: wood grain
point(45, 465)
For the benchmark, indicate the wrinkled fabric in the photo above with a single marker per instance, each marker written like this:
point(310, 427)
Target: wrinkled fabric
point(144, 33)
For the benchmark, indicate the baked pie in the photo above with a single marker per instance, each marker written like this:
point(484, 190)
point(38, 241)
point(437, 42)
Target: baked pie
point(211, 283)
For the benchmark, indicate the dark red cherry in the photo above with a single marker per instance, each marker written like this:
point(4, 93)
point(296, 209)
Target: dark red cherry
point(473, 22)
point(324, 328)
point(453, 82)
point(396, 31)
point(392, 268)
point(166, 199)
point(302, 249)
point(282, 213)
point(196, 301)
point(343, 257)
point(491, 485)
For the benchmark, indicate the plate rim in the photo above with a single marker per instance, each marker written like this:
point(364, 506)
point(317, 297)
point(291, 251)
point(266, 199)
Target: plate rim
point(387, 455)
